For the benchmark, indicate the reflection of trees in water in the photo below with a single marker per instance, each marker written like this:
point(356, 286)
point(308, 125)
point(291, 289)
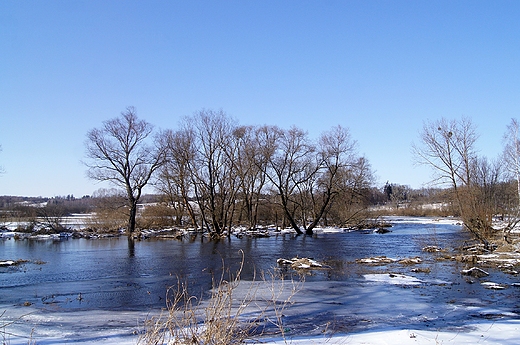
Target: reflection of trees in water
point(131, 247)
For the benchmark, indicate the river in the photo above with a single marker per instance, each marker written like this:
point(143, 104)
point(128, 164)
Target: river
point(114, 275)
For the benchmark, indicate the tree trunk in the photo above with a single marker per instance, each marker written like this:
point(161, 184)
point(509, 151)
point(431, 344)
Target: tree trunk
point(190, 211)
point(131, 219)
point(288, 215)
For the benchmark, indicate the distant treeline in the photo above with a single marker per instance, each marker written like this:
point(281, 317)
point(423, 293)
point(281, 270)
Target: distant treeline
point(394, 196)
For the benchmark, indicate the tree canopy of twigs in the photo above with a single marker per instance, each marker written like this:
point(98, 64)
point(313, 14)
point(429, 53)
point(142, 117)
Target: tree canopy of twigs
point(448, 147)
point(120, 152)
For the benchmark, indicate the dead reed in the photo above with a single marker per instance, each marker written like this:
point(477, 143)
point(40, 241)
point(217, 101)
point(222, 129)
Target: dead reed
point(229, 316)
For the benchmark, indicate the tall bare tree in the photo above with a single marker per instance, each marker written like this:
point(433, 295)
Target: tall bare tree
point(290, 166)
point(511, 158)
point(249, 165)
point(308, 178)
point(337, 157)
point(174, 179)
point(211, 169)
point(121, 152)
point(511, 153)
point(449, 148)
point(354, 183)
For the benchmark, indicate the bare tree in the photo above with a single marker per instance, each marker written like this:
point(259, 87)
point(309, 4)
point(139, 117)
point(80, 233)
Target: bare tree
point(174, 179)
point(353, 183)
point(308, 178)
point(249, 165)
point(449, 148)
point(211, 169)
point(486, 188)
point(51, 216)
point(337, 158)
point(120, 152)
point(291, 164)
point(511, 158)
point(511, 152)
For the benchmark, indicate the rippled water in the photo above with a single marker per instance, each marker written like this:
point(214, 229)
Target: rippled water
point(115, 274)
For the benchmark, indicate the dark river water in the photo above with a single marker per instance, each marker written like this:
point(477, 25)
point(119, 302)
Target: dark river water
point(115, 274)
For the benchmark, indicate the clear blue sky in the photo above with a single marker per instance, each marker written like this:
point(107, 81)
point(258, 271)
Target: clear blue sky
point(380, 68)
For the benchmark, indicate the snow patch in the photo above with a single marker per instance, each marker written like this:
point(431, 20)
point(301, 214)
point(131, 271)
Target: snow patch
point(392, 278)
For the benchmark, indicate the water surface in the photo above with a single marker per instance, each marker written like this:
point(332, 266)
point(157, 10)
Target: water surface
point(117, 275)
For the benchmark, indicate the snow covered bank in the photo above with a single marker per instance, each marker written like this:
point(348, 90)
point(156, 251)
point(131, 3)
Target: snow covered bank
point(423, 220)
point(491, 333)
point(122, 329)
point(382, 310)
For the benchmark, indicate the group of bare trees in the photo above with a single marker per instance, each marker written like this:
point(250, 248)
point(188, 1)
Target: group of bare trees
point(216, 174)
point(480, 188)
point(222, 174)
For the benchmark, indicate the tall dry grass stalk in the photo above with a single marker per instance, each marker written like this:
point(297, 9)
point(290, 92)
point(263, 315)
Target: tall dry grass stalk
point(278, 297)
point(5, 334)
point(229, 316)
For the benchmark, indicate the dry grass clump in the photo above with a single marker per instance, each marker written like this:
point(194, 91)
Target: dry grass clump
point(229, 316)
point(107, 221)
point(187, 322)
point(410, 261)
